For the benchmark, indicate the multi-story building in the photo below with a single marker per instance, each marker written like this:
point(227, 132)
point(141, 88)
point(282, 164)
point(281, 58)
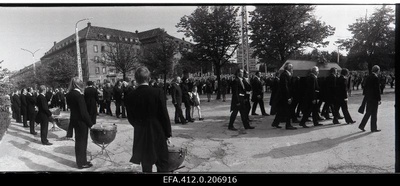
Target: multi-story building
point(94, 42)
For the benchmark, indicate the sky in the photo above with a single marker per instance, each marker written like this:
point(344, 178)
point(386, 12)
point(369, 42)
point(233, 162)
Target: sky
point(36, 28)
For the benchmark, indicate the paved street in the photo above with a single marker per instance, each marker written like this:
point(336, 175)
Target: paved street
point(211, 147)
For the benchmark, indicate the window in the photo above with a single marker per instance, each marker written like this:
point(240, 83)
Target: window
point(104, 70)
point(98, 81)
point(97, 70)
point(95, 48)
point(108, 36)
point(103, 58)
point(81, 49)
point(96, 58)
point(103, 48)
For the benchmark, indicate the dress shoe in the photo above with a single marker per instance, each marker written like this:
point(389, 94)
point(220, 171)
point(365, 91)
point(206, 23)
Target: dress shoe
point(26, 126)
point(249, 127)
point(201, 119)
point(305, 126)
point(340, 117)
point(184, 123)
point(295, 121)
point(265, 114)
point(34, 133)
point(291, 128)
point(177, 122)
point(377, 130)
point(47, 143)
point(336, 122)
point(361, 129)
point(85, 166)
point(89, 163)
point(351, 122)
point(276, 126)
point(232, 128)
point(192, 120)
point(254, 114)
point(318, 124)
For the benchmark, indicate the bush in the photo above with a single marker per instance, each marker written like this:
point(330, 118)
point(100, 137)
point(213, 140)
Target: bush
point(5, 119)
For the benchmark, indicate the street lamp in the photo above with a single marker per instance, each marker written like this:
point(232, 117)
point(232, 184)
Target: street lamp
point(78, 54)
point(33, 57)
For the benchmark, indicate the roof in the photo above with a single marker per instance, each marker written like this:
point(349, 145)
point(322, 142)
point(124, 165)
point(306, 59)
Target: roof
point(95, 33)
point(302, 67)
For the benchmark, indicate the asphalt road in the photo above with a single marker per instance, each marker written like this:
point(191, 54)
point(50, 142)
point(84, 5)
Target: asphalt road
point(211, 148)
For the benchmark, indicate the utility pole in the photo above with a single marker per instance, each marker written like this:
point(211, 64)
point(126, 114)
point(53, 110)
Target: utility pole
point(245, 40)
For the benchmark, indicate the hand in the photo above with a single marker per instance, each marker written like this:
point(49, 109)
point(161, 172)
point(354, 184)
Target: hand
point(238, 104)
point(314, 101)
point(379, 102)
point(169, 141)
point(259, 96)
point(346, 100)
point(290, 101)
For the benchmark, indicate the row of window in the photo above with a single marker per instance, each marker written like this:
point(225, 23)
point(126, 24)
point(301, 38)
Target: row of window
point(110, 70)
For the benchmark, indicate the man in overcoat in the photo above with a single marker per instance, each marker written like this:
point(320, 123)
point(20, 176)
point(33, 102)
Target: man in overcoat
point(147, 113)
point(91, 99)
point(43, 115)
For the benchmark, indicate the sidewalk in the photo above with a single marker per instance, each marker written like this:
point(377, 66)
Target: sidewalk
point(212, 148)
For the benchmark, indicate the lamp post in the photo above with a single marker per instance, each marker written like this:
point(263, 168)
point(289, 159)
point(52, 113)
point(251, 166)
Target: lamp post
point(78, 53)
point(33, 57)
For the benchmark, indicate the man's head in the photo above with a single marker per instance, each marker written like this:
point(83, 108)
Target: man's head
point(333, 70)
point(142, 75)
point(315, 70)
point(288, 67)
point(239, 73)
point(376, 69)
point(42, 89)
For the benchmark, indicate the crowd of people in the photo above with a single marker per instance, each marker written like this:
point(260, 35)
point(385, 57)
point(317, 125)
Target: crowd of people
point(143, 102)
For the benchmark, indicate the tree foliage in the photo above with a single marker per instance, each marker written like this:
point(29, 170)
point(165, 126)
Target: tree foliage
point(280, 30)
point(373, 40)
point(159, 57)
point(59, 71)
point(216, 33)
point(121, 56)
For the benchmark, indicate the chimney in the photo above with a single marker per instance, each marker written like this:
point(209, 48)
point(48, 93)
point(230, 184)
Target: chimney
point(183, 39)
point(89, 24)
point(55, 42)
point(136, 31)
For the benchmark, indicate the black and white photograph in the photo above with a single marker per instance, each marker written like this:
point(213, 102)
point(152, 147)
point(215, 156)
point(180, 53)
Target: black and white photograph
point(198, 88)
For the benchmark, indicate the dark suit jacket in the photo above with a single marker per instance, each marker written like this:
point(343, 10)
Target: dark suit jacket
point(79, 117)
point(147, 113)
point(176, 94)
point(341, 88)
point(257, 86)
point(330, 84)
point(91, 99)
point(24, 104)
point(43, 107)
point(311, 89)
point(371, 89)
point(30, 102)
point(284, 92)
point(16, 101)
point(238, 94)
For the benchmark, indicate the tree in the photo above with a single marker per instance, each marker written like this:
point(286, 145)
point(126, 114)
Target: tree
point(373, 40)
point(278, 31)
point(122, 56)
point(215, 30)
point(160, 56)
point(60, 70)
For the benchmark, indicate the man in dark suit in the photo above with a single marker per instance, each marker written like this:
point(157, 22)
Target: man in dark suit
point(186, 98)
point(79, 120)
point(310, 98)
point(238, 101)
point(248, 89)
point(30, 105)
point(284, 99)
point(107, 96)
point(342, 95)
point(24, 112)
point(257, 95)
point(17, 106)
point(176, 94)
point(91, 99)
point(330, 103)
point(43, 115)
point(147, 113)
point(372, 95)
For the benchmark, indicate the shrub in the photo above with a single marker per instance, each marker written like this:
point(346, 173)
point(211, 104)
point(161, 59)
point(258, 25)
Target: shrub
point(5, 119)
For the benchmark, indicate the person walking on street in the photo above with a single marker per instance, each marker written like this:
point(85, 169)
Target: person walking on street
point(24, 105)
point(238, 102)
point(257, 95)
point(80, 121)
point(147, 113)
point(284, 99)
point(30, 105)
point(372, 95)
point(310, 98)
point(342, 95)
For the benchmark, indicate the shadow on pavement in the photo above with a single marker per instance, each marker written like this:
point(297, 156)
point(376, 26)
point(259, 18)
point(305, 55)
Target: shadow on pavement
point(310, 147)
point(67, 150)
point(34, 166)
point(25, 147)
